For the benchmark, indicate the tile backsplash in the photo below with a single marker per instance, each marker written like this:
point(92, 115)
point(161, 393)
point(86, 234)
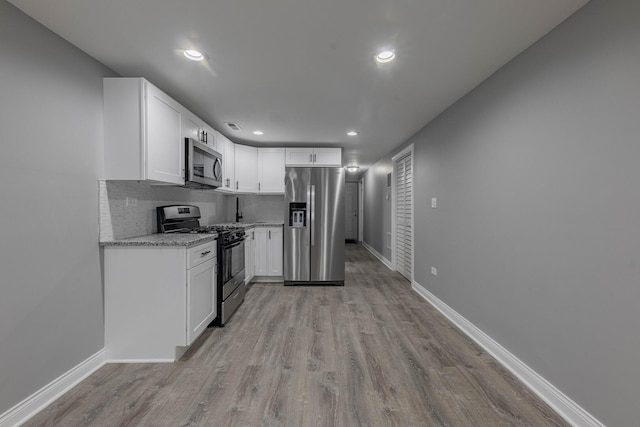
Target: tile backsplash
point(256, 207)
point(128, 209)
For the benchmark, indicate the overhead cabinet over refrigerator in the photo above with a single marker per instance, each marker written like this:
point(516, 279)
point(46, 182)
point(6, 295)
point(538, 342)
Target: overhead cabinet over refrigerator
point(314, 226)
point(313, 157)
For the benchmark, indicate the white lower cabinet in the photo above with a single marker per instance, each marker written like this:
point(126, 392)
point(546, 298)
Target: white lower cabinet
point(249, 256)
point(268, 251)
point(158, 300)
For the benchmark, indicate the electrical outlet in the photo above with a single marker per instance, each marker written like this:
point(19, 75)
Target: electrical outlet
point(131, 201)
point(434, 202)
point(434, 271)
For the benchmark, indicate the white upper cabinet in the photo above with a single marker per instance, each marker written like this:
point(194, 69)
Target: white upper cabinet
point(194, 127)
point(246, 169)
point(327, 157)
point(143, 132)
point(299, 156)
point(191, 126)
point(227, 149)
point(302, 156)
point(209, 136)
point(271, 169)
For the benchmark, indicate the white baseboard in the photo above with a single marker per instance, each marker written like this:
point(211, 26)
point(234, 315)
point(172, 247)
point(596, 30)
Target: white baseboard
point(377, 255)
point(561, 403)
point(47, 394)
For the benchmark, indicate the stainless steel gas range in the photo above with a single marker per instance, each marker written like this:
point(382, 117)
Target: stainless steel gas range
point(231, 286)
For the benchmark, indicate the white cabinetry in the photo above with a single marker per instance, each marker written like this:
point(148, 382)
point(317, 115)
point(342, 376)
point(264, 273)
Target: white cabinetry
point(194, 127)
point(268, 251)
point(271, 170)
point(249, 255)
point(201, 289)
point(321, 157)
point(227, 149)
point(209, 135)
point(143, 132)
point(246, 169)
point(157, 299)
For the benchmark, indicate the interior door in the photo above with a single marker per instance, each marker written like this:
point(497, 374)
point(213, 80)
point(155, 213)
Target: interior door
point(351, 211)
point(404, 213)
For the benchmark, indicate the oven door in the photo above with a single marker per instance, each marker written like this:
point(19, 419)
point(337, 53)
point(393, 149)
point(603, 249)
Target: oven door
point(233, 260)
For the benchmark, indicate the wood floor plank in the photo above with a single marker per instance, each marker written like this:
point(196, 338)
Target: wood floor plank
point(371, 353)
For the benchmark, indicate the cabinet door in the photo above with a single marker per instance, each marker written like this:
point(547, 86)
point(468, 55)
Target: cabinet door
point(190, 126)
point(164, 145)
point(249, 257)
point(327, 157)
point(261, 251)
point(246, 169)
point(271, 169)
point(210, 137)
point(274, 251)
point(252, 258)
point(201, 298)
point(227, 149)
point(299, 156)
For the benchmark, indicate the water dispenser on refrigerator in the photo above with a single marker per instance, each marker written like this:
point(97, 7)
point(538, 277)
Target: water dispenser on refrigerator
point(298, 215)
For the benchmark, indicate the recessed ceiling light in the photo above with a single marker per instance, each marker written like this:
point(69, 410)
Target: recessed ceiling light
point(353, 168)
point(258, 132)
point(352, 133)
point(385, 56)
point(193, 55)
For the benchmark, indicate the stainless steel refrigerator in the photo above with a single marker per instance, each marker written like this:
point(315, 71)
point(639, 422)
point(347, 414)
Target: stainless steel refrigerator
point(314, 226)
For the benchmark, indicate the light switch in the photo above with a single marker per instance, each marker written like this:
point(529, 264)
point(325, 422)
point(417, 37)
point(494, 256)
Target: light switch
point(434, 271)
point(434, 202)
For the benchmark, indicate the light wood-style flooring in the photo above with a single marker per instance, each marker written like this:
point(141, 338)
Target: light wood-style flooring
point(371, 353)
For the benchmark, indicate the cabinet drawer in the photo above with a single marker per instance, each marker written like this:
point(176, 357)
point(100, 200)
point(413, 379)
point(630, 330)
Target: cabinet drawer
point(200, 254)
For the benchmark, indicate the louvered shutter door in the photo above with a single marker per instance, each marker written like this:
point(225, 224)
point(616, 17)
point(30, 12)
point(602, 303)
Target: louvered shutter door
point(404, 243)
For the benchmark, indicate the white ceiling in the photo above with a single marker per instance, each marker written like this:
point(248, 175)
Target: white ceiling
point(303, 70)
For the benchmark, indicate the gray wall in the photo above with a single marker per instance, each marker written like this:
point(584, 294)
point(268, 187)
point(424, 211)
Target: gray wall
point(376, 207)
point(51, 315)
point(537, 232)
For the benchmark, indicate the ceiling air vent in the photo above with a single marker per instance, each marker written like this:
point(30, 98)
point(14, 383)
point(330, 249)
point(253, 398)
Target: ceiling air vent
point(232, 125)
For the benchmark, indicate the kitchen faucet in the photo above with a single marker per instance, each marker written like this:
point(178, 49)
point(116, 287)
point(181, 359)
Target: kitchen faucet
point(238, 213)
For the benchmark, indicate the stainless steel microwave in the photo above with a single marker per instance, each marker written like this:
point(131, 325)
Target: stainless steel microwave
point(203, 165)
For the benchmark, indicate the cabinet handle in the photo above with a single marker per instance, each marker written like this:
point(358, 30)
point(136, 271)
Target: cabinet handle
point(237, 184)
point(258, 186)
point(314, 157)
point(310, 158)
point(204, 253)
point(269, 234)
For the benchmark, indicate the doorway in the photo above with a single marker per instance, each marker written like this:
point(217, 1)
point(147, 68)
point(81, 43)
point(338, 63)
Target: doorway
point(351, 212)
point(402, 216)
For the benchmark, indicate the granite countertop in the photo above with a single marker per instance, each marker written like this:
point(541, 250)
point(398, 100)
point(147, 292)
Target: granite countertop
point(183, 239)
point(255, 224)
point(159, 239)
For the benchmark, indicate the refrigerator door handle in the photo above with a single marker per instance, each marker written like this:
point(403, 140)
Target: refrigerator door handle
point(312, 208)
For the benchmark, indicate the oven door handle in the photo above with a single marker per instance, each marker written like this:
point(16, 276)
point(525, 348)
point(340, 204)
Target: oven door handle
point(233, 245)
